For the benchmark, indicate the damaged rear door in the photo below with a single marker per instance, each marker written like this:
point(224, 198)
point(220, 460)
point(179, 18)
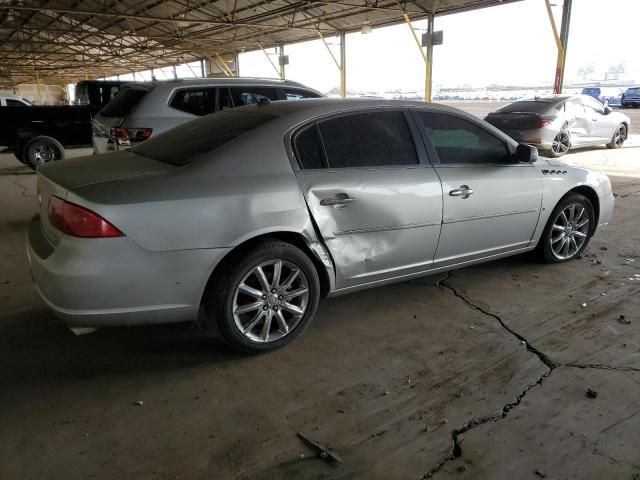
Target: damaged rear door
point(374, 197)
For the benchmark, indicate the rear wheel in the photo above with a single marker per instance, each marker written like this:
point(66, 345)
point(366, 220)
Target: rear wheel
point(41, 150)
point(568, 230)
point(264, 299)
point(561, 143)
point(619, 137)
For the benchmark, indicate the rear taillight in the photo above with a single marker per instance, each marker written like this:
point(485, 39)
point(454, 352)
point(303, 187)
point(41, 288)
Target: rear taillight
point(544, 123)
point(77, 221)
point(124, 136)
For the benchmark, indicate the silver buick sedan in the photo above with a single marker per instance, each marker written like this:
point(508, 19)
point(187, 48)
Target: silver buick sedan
point(253, 214)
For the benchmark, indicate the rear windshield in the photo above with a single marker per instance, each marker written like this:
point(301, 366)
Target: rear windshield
point(590, 91)
point(179, 145)
point(123, 102)
point(633, 90)
point(531, 106)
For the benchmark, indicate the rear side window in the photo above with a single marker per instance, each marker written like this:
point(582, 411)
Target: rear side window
point(371, 139)
point(196, 101)
point(179, 145)
point(298, 94)
point(248, 95)
point(123, 102)
point(309, 149)
point(459, 141)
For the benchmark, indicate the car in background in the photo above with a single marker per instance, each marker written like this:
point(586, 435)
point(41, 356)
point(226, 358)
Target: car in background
point(13, 100)
point(608, 96)
point(631, 97)
point(145, 109)
point(557, 123)
point(254, 213)
point(97, 93)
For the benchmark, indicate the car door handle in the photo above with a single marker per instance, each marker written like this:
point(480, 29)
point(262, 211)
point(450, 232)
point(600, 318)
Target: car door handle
point(463, 192)
point(341, 200)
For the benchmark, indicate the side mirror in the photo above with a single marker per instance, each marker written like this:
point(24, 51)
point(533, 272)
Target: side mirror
point(526, 154)
point(607, 110)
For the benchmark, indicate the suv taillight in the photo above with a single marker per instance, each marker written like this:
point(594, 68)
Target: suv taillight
point(544, 123)
point(77, 221)
point(124, 136)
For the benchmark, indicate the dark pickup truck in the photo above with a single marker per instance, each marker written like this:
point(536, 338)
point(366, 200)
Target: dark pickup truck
point(39, 134)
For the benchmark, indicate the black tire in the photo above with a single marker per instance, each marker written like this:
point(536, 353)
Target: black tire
point(41, 150)
point(619, 137)
point(545, 244)
point(18, 151)
point(563, 137)
point(219, 301)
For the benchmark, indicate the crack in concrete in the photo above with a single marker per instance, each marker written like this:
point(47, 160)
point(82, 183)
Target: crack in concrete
point(456, 449)
point(22, 188)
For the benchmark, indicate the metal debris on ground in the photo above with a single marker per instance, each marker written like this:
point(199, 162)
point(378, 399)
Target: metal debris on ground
point(540, 473)
point(584, 305)
point(138, 403)
point(323, 452)
point(624, 320)
point(591, 393)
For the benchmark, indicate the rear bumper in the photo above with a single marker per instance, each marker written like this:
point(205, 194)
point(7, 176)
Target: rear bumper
point(113, 281)
point(541, 138)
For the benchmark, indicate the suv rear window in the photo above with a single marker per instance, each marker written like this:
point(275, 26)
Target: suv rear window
point(123, 102)
point(633, 90)
point(180, 144)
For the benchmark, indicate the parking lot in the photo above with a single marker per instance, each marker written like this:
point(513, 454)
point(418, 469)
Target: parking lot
point(511, 369)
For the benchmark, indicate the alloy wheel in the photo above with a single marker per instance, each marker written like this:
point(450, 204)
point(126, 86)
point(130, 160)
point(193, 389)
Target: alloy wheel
point(570, 231)
point(270, 301)
point(561, 143)
point(43, 154)
point(620, 136)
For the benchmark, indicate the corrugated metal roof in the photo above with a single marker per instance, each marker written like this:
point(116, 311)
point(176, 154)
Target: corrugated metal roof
point(66, 40)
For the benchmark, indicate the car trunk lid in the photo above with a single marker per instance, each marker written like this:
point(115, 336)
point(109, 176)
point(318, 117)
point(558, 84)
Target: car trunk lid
point(516, 120)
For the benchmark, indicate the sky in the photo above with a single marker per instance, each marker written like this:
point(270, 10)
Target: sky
point(507, 44)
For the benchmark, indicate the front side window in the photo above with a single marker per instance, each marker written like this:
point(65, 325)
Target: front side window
point(369, 139)
point(593, 104)
point(15, 103)
point(460, 141)
point(196, 101)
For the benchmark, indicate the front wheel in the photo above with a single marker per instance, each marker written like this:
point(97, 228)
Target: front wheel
point(619, 137)
point(41, 150)
point(568, 230)
point(561, 144)
point(264, 299)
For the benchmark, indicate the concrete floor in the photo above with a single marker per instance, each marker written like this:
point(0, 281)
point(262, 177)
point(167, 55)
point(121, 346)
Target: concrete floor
point(482, 373)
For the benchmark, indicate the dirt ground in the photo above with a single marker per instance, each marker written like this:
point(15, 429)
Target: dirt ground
point(511, 369)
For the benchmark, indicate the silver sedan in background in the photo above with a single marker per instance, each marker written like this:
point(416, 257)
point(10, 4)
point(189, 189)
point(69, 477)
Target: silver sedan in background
point(254, 213)
point(559, 123)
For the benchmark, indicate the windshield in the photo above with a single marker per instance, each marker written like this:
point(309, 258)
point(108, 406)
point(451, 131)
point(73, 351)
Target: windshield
point(179, 145)
point(633, 90)
point(591, 91)
point(529, 106)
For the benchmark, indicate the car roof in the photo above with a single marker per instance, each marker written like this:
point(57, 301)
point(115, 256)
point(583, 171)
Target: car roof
point(312, 107)
point(230, 81)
